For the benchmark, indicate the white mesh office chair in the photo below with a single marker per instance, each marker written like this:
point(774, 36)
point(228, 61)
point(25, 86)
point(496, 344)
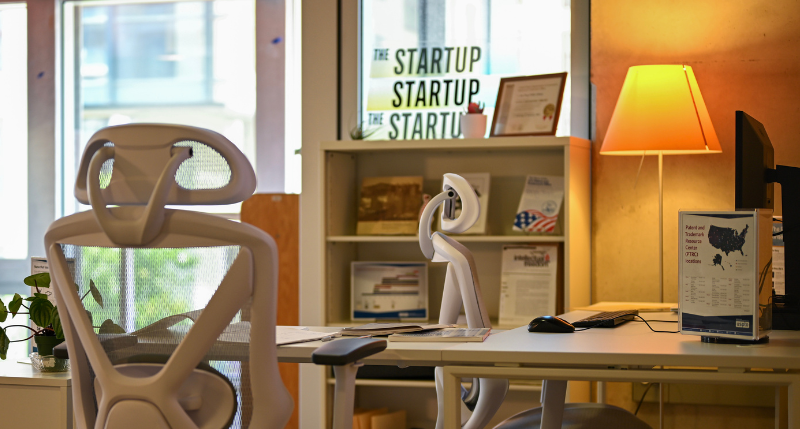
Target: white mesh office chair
point(168, 342)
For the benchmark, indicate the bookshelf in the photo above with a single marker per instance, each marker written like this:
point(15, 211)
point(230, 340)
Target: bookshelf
point(332, 174)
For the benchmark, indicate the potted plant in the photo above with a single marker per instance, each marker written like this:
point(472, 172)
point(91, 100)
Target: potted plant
point(48, 332)
point(473, 121)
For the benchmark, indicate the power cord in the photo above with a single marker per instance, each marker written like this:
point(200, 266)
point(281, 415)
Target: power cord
point(641, 400)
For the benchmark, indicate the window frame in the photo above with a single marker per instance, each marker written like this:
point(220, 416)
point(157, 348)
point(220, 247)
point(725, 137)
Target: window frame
point(46, 114)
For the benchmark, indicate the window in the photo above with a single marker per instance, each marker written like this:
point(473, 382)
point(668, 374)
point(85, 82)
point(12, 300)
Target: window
point(13, 145)
point(185, 62)
point(457, 50)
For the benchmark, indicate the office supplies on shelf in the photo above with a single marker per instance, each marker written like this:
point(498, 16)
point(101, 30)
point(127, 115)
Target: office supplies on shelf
point(444, 335)
point(389, 205)
point(388, 290)
point(725, 273)
point(461, 286)
point(528, 282)
point(540, 204)
point(660, 111)
point(550, 324)
point(606, 319)
point(391, 328)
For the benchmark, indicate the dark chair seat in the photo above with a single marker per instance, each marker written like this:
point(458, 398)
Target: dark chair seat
point(579, 416)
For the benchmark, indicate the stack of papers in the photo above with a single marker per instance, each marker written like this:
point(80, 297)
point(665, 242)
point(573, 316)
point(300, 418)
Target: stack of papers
point(390, 328)
point(444, 335)
point(297, 334)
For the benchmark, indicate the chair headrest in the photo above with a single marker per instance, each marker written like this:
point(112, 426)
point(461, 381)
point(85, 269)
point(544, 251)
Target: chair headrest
point(217, 172)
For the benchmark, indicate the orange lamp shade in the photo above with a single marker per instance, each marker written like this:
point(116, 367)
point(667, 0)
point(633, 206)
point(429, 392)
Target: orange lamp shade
point(660, 109)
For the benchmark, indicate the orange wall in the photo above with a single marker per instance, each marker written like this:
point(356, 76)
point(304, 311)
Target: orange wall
point(746, 56)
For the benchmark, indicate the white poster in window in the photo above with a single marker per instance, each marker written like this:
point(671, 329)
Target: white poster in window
point(528, 283)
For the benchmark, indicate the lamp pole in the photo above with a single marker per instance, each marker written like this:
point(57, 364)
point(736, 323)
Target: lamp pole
point(660, 227)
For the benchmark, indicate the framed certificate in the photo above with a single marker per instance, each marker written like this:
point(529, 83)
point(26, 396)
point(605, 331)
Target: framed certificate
point(528, 105)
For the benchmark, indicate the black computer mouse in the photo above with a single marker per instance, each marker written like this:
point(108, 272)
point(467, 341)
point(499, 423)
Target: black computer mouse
point(550, 324)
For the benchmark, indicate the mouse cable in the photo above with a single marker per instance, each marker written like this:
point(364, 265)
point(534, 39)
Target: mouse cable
point(654, 330)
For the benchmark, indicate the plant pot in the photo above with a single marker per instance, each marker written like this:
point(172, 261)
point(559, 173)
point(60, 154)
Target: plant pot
point(473, 125)
point(45, 344)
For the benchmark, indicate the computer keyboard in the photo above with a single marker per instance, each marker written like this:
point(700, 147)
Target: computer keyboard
point(606, 319)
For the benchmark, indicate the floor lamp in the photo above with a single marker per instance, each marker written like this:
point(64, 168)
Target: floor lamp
point(660, 112)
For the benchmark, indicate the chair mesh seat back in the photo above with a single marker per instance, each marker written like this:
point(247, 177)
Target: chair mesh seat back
point(159, 305)
point(144, 301)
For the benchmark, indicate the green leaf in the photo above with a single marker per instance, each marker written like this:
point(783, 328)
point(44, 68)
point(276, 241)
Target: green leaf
point(56, 322)
point(3, 312)
point(41, 312)
point(109, 327)
point(4, 342)
point(98, 298)
point(15, 304)
point(41, 296)
point(38, 280)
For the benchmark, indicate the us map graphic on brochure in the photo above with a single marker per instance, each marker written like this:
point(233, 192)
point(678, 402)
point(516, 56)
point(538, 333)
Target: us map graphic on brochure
point(718, 264)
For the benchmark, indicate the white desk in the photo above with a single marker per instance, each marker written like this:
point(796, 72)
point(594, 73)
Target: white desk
point(34, 399)
point(630, 352)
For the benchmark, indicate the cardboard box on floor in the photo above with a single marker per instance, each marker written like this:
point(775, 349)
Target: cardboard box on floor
point(379, 418)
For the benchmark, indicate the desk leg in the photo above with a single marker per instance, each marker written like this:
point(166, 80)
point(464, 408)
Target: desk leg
point(793, 405)
point(601, 392)
point(553, 394)
point(452, 400)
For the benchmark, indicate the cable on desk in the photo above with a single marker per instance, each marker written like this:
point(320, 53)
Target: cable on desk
point(654, 330)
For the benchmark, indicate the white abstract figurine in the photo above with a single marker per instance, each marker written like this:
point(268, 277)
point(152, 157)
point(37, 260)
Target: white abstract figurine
point(461, 286)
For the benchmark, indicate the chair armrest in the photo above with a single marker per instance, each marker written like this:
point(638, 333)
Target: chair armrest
point(346, 351)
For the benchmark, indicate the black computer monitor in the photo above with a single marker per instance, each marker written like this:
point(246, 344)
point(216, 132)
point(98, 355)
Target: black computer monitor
point(756, 174)
point(754, 157)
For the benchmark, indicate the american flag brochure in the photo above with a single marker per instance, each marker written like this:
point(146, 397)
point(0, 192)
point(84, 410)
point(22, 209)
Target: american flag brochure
point(540, 204)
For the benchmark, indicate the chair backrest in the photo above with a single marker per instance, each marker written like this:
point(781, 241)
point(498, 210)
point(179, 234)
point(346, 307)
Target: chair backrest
point(159, 309)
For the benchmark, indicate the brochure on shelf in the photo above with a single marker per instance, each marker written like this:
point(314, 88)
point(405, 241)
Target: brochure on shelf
point(389, 290)
point(528, 283)
point(540, 204)
point(389, 205)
